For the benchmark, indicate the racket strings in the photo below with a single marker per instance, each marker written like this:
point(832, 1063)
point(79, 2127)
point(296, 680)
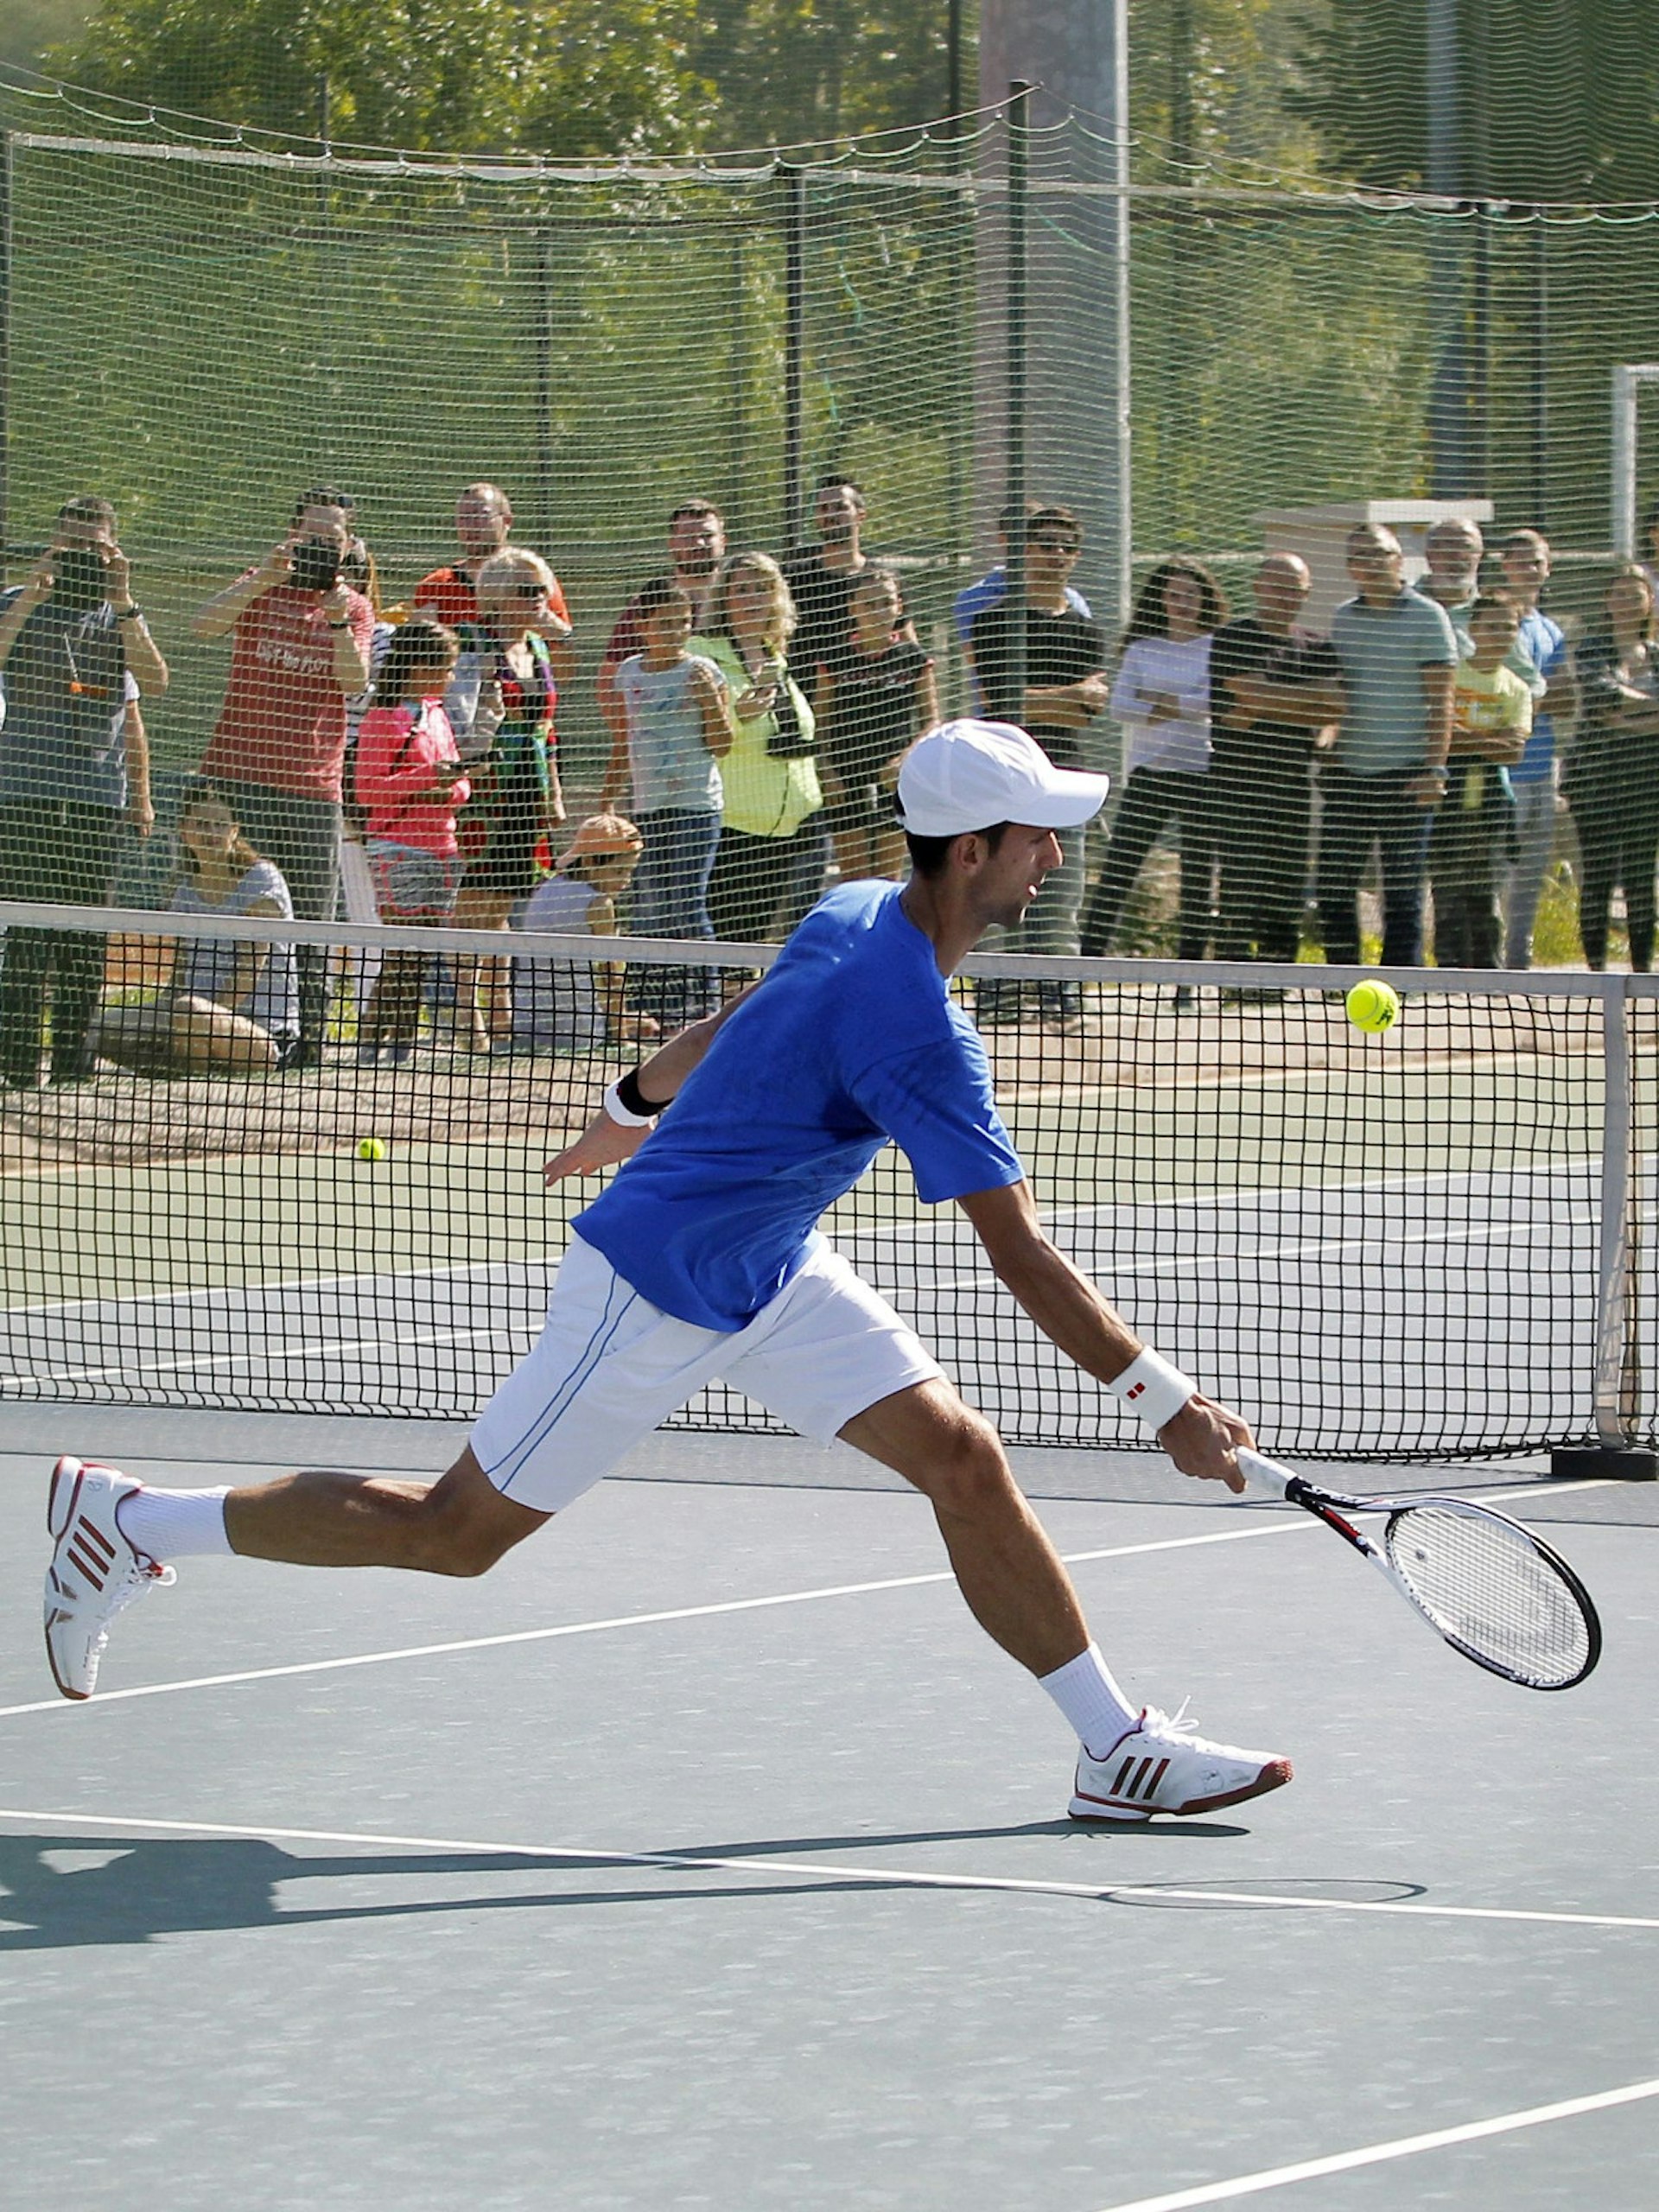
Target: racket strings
point(1484, 1582)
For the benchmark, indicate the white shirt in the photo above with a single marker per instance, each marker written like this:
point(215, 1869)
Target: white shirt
point(1153, 665)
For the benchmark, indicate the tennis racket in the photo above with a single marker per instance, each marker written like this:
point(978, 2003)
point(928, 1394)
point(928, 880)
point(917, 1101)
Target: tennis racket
point(1494, 1591)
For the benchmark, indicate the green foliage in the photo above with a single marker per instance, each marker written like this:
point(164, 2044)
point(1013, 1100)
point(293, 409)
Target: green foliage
point(1558, 100)
point(580, 78)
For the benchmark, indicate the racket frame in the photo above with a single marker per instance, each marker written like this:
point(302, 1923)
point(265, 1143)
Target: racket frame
point(1330, 1507)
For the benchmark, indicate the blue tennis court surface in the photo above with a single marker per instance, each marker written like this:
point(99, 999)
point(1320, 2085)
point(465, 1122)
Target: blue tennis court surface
point(706, 1855)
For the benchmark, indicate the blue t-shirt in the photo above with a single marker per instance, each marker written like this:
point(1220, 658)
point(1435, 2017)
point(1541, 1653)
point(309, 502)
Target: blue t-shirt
point(1544, 643)
point(853, 1039)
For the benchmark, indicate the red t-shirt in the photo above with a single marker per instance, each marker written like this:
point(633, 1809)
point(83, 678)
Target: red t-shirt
point(447, 595)
point(283, 724)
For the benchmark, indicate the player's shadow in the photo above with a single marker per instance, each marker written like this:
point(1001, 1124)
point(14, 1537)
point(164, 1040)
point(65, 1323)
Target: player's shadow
point(59, 1890)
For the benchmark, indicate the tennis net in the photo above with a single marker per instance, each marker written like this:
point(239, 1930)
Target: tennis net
point(1427, 1244)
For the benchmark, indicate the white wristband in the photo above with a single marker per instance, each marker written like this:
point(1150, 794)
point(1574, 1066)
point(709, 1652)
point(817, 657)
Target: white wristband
point(1156, 1390)
point(619, 1114)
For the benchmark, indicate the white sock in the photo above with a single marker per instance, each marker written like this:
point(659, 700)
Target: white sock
point(1091, 1701)
point(168, 1524)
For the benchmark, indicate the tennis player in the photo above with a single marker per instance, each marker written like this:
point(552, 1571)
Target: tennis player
point(701, 1259)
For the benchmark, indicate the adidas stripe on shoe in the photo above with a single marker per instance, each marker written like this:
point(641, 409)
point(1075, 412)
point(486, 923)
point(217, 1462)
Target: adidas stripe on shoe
point(1164, 1766)
point(95, 1573)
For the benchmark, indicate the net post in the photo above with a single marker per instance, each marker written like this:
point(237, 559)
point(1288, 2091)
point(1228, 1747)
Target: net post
point(1618, 1370)
point(1017, 313)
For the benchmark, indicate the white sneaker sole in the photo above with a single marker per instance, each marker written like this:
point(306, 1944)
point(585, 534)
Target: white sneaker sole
point(1121, 1812)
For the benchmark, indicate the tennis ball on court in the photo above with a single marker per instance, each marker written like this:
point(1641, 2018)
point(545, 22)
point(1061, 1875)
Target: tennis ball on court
point(371, 1149)
point(1373, 1006)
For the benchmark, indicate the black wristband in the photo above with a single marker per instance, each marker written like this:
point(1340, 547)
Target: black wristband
point(332, 625)
point(126, 613)
point(629, 1094)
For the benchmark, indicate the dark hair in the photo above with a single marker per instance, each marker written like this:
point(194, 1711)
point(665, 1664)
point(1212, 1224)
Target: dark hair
point(415, 644)
point(1650, 516)
point(873, 572)
point(1492, 602)
point(836, 480)
point(1150, 618)
point(928, 856)
point(1632, 572)
point(87, 506)
point(196, 793)
point(661, 591)
point(1009, 514)
point(357, 569)
point(691, 509)
point(1052, 518)
point(321, 495)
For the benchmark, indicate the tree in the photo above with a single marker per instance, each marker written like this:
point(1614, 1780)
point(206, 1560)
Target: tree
point(1551, 99)
point(575, 78)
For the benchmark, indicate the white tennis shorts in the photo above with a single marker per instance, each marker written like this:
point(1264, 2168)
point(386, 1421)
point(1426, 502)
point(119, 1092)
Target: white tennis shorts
point(609, 1367)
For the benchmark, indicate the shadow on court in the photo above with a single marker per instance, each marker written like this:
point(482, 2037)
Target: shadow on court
point(132, 1890)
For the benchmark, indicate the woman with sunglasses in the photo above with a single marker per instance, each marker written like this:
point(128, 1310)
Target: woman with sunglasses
point(500, 701)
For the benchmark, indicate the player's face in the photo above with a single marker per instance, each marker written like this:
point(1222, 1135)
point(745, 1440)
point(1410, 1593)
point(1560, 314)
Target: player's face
point(1010, 877)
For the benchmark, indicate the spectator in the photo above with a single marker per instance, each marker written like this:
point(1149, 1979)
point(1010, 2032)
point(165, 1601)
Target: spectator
point(696, 546)
point(1491, 714)
point(449, 596)
point(1272, 689)
point(74, 765)
point(1161, 697)
point(671, 728)
point(501, 702)
point(227, 1004)
point(1649, 543)
point(1526, 570)
point(821, 577)
point(992, 586)
point(875, 696)
point(1612, 776)
point(411, 781)
point(578, 1007)
point(769, 777)
point(1066, 689)
point(301, 641)
point(1387, 768)
point(1455, 549)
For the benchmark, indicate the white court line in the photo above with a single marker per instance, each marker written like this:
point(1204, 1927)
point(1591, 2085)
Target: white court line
point(1376, 2154)
point(257, 1356)
point(624, 1620)
point(828, 1871)
point(1300, 1523)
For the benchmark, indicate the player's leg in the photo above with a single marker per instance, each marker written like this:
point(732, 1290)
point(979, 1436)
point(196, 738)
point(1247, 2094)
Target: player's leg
point(1009, 1573)
point(832, 1358)
point(607, 1370)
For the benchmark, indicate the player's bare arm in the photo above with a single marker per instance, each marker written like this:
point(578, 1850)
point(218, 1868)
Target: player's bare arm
point(1202, 1439)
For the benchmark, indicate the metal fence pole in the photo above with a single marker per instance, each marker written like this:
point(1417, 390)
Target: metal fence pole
point(6, 157)
point(1017, 315)
point(794, 352)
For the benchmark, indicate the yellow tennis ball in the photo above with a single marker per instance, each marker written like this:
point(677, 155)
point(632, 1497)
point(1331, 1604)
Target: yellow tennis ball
point(371, 1149)
point(1373, 1006)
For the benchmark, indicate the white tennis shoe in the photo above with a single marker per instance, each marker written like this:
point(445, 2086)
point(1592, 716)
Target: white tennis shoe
point(95, 1573)
point(1164, 1766)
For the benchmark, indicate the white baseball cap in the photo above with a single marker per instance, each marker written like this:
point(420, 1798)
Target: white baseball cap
point(968, 774)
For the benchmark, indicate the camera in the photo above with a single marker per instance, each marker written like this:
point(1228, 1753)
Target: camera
point(314, 564)
point(78, 576)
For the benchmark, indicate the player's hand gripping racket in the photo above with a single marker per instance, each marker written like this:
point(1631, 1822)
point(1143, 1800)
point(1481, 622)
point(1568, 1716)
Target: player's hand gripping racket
point(1496, 1593)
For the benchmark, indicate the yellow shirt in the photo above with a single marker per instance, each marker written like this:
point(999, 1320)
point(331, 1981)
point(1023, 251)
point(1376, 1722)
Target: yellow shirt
point(1484, 699)
point(764, 797)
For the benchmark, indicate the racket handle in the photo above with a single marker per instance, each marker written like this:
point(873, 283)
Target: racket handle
point(1264, 1474)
